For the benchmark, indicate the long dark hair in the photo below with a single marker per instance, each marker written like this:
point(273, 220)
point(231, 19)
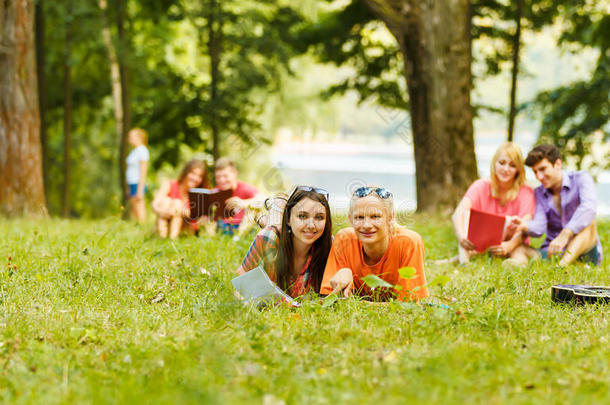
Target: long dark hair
point(285, 259)
point(194, 164)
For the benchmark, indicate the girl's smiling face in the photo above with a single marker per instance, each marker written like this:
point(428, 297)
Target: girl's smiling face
point(506, 169)
point(194, 177)
point(307, 221)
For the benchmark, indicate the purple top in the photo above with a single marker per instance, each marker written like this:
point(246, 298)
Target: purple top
point(578, 207)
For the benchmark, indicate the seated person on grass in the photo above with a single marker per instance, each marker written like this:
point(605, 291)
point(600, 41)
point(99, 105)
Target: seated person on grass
point(171, 203)
point(566, 204)
point(225, 173)
point(377, 245)
point(295, 256)
point(506, 194)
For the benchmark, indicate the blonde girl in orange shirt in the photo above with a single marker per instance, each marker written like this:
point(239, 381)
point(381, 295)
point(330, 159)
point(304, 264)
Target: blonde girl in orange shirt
point(375, 244)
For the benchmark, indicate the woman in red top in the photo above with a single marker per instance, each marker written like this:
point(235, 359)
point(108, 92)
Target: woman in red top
point(171, 203)
point(506, 194)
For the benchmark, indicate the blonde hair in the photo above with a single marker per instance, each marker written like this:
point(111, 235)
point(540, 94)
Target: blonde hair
point(141, 134)
point(388, 204)
point(223, 163)
point(513, 151)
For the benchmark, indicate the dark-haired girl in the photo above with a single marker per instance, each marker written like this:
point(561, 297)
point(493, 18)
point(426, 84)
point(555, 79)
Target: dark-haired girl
point(294, 256)
point(171, 203)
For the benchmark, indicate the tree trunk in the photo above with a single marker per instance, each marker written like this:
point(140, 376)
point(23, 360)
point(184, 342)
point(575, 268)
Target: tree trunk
point(115, 77)
point(214, 49)
point(67, 111)
point(42, 90)
point(434, 38)
point(126, 96)
point(513, 85)
point(21, 185)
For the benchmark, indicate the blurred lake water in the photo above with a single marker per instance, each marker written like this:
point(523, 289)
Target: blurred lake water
point(342, 167)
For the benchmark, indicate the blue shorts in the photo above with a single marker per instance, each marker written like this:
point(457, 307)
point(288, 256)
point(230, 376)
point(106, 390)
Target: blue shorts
point(593, 256)
point(133, 189)
point(226, 228)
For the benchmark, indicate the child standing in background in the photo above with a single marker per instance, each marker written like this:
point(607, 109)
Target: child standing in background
point(137, 165)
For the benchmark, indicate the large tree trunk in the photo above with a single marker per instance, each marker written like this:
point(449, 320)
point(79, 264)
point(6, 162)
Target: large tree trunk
point(21, 185)
point(65, 201)
point(42, 91)
point(512, 114)
point(434, 38)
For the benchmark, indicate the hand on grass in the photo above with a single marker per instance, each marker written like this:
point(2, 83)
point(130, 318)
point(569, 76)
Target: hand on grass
point(559, 243)
point(343, 280)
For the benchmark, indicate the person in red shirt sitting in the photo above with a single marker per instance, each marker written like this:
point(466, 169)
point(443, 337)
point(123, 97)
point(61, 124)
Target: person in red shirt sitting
point(171, 203)
point(504, 193)
point(244, 195)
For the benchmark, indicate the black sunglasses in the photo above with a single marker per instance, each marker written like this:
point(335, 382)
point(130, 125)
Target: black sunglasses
point(364, 191)
point(314, 189)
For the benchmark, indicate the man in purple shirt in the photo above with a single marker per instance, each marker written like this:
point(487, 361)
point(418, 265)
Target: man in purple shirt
point(566, 204)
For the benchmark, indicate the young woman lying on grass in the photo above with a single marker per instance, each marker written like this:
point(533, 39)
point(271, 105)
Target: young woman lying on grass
point(294, 257)
point(505, 193)
point(171, 203)
point(376, 245)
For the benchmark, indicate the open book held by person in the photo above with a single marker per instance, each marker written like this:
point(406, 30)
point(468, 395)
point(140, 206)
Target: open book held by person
point(210, 203)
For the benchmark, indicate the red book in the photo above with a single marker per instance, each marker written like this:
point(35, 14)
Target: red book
point(485, 230)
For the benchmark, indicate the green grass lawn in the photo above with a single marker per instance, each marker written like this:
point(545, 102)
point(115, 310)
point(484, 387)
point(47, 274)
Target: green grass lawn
point(101, 311)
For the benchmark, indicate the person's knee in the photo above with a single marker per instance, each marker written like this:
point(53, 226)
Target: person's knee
point(518, 256)
point(519, 252)
point(177, 207)
point(524, 253)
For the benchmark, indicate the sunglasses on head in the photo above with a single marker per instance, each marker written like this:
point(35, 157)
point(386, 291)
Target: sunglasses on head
point(364, 191)
point(314, 189)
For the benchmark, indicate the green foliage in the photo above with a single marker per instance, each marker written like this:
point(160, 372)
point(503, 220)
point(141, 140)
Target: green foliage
point(353, 36)
point(439, 281)
point(572, 113)
point(168, 60)
point(495, 20)
point(374, 281)
point(94, 147)
point(407, 272)
point(101, 311)
point(252, 56)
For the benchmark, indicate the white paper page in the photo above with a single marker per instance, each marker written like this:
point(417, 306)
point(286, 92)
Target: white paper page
point(256, 286)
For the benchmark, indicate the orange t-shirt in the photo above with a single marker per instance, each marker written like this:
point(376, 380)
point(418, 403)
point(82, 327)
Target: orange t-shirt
point(405, 249)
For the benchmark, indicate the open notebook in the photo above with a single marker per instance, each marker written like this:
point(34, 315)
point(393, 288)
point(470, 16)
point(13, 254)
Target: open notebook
point(256, 287)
